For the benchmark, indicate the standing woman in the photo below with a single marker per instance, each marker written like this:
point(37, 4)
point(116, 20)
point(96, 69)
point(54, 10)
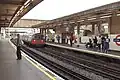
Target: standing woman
point(107, 41)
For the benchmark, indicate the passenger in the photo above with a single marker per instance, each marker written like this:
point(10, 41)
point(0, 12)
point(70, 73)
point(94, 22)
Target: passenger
point(89, 44)
point(46, 38)
point(99, 43)
point(63, 38)
point(53, 38)
point(68, 38)
point(58, 38)
point(107, 41)
point(74, 38)
point(71, 40)
point(95, 42)
point(19, 42)
point(103, 43)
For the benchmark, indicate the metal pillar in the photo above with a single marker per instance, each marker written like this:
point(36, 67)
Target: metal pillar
point(0, 30)
point(99, 27)
point(93, 28)
point(71, 29)
point(113, 23)
point(78, 34)
point(34, 30)
point(45, 34)
point(40, 30)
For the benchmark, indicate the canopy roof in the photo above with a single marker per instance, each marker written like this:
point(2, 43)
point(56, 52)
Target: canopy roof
point(12, 10)
point(101, 13)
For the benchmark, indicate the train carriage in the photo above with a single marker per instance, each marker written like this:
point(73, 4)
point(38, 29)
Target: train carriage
point(34, 40)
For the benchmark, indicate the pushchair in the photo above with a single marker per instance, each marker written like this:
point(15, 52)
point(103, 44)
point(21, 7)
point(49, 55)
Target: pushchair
point(89, 45)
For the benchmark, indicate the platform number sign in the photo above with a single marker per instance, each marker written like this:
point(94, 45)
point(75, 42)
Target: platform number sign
point(117, 40)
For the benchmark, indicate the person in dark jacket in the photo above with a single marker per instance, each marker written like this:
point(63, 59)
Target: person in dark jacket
point(58, 38)
point(19, 56)
point(89, 44)
point(103, 43)
point(71, 40)
point(95, 42)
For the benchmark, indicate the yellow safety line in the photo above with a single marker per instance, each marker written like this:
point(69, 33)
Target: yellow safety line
point(51, 77)
point(47, 74)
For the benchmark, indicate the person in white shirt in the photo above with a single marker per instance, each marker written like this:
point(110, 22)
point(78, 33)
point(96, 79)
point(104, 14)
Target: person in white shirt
point(99, 43)
point(107, 41)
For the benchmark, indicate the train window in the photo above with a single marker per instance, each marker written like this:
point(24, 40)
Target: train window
point(38, 36)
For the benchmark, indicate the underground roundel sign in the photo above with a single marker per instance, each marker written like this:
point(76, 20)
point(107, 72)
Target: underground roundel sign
point(117, 40)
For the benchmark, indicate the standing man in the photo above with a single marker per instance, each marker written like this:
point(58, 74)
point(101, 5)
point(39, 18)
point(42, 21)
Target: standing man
point(103, 43)
point(71, 39)
point(58, 38)
point(68, 38)
point(19, 57)
point(95, 42)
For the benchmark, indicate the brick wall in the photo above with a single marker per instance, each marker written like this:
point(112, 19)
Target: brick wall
point(115, 25)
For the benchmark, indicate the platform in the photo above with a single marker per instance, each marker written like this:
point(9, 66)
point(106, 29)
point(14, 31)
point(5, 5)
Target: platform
point(12, 69)
point(82, 47)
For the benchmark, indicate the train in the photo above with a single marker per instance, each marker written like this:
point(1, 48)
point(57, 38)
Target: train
point(37, 39)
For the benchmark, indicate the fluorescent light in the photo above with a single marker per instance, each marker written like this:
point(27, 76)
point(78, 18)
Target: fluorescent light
point(105, 16)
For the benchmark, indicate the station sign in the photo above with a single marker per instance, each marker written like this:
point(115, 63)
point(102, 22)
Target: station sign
point(117, 40)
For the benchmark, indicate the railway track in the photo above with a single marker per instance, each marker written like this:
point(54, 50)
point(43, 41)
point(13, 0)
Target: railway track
point(100, 69)
point(62, 71)
point(94, 58)
point(88, 60)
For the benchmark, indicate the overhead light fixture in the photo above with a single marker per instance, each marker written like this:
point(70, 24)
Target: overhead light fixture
point(65, 23)
point(72, 22)
point(91, 18)
point(105, 16)
point(118, 14)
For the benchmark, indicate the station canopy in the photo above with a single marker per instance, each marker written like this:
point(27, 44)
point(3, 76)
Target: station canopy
point(12, 10)
point(97, 14)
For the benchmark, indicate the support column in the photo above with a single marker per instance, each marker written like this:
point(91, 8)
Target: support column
point(78, 34)
point(114, 24)
point(93, 28)
point(109, 25)
point(96, 31)
point(99, 27)
point(40, 30)
point(34, 30)
point(0, 30)
point(45, 35)
point(71, 29)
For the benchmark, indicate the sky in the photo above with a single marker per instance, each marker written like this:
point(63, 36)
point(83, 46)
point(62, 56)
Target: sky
point(52, 9)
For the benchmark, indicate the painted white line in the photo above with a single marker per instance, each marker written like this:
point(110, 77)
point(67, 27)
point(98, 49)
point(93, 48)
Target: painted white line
point(52, 75)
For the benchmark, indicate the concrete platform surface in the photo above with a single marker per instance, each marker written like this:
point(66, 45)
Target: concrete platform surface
point(12, 69)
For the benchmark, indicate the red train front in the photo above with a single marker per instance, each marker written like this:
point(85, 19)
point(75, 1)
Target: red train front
point(34, 40)
point(38, 40)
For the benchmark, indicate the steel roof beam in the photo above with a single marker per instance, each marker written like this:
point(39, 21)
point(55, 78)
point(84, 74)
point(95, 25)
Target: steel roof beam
point(26, 8)
point(6, 14)
point(11, 2)
point(4, 21)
